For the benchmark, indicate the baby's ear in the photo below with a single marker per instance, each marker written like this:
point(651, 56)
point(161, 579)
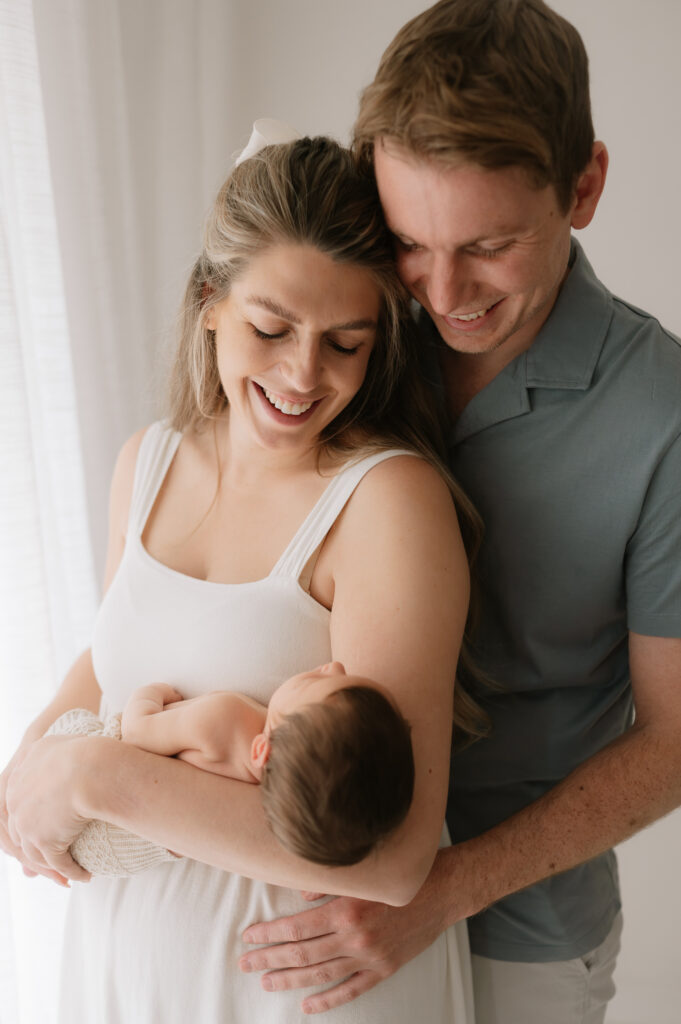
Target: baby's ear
point(260, 753)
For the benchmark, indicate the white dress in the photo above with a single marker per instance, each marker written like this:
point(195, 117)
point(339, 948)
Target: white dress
point(162, 946)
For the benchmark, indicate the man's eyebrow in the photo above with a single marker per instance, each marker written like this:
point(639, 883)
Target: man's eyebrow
point(502, 234)
point(363, 324)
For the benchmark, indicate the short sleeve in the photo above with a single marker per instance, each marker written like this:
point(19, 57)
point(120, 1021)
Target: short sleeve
point(653, 560)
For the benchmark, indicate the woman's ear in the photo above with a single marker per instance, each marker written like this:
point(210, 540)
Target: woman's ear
point(260, 753)
point(590, 185)
point(209, 316)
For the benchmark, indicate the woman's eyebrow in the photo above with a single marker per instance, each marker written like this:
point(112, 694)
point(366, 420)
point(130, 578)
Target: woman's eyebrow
point(355, 325)
point(273, 307)
point(363, 324)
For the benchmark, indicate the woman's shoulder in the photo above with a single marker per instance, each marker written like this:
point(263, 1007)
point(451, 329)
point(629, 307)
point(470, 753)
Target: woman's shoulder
point(402, 494)
point(403, 473)
point(126, 461)
point(123, 481)
point(147, 438)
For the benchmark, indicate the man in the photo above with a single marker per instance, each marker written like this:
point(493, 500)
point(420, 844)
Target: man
point(566, 433)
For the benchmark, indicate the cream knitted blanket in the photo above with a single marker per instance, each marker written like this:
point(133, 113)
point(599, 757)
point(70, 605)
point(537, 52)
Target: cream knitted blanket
point(102, 848)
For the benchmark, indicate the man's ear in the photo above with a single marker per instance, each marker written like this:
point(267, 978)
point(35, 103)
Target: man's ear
point(260, 753)
point(590, 185)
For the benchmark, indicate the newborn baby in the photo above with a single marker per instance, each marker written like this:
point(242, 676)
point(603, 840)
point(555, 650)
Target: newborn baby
point(331, 752)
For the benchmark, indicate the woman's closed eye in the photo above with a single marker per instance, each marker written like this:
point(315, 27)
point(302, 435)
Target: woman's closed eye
point(267, 336)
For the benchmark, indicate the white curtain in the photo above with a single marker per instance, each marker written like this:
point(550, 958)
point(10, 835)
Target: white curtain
point(47, 583)
point(140, 102)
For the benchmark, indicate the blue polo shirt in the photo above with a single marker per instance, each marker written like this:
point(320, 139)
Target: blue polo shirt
point(572, 455)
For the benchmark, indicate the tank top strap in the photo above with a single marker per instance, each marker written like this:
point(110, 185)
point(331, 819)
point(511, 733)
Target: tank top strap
point(324, 514)
point(156, 452)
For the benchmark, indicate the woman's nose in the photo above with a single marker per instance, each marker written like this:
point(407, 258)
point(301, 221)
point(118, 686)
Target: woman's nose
point(302, 367)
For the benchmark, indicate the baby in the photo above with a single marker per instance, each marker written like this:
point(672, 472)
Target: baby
point(331, 752)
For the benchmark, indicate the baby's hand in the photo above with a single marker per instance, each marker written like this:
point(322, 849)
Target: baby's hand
point(145, 701)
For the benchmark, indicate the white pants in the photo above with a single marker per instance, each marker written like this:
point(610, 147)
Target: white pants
point(565, 992)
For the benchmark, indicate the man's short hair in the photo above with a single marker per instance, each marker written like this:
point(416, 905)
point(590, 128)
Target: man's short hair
point(340, 776)
point(497, 83)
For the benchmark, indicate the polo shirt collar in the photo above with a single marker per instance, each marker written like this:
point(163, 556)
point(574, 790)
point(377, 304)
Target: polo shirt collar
point(566, 350)
point(563, 355)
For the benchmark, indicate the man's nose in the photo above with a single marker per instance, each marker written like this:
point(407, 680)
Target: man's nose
point(446, 285)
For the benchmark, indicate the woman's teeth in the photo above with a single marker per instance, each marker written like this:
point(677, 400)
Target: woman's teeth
point(288, 408)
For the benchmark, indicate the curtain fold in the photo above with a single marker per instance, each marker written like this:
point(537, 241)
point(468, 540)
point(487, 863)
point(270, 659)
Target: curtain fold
point(47, 582)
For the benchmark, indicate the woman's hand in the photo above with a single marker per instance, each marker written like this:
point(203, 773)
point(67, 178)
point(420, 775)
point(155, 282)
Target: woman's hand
point(41, 817)
point(6, 844)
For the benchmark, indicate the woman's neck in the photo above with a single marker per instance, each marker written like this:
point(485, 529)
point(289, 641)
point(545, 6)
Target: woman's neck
point(245, 464)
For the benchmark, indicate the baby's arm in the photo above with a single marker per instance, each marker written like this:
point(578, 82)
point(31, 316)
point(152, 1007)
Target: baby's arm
point(144, 724)
point(213, 732)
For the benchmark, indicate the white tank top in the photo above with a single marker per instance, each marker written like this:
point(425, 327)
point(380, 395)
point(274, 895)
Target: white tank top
point(158, 625)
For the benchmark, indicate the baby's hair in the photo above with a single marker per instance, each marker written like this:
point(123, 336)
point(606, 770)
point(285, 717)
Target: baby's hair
point(340, 776)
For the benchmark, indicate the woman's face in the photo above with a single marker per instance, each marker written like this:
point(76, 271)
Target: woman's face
point(293, 340)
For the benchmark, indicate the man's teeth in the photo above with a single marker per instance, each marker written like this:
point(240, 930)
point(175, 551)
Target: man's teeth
point(469, 316)
point(287, 407)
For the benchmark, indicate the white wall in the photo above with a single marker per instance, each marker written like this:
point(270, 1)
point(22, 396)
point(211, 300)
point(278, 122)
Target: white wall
point(305, 61)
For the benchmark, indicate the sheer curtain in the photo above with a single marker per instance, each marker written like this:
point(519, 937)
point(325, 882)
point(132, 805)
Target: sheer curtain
point(47, 583)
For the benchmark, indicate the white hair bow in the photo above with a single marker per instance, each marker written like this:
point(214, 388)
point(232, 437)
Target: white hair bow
point(267, 131)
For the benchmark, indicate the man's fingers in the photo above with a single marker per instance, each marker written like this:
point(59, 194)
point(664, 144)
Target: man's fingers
point(354, 986)
point(286, 958)
point(307, 925)
point(304, 977)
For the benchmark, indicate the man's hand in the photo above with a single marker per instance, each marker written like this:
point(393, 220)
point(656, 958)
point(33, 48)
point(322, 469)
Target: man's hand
point(354, 943)
point(41, 820)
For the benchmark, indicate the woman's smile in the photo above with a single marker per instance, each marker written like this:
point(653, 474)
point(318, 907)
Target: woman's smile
point(293, 408)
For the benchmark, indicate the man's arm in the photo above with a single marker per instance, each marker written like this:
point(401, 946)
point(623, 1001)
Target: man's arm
point(623, 788)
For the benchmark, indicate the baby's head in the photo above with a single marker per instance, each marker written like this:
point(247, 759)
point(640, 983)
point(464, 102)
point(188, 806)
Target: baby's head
point(336, 765)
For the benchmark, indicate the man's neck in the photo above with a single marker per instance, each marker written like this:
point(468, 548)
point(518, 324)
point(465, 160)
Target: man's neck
point(465, 374)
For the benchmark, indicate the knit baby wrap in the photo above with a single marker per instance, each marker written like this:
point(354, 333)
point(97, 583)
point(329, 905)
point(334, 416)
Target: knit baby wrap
point(103, 848)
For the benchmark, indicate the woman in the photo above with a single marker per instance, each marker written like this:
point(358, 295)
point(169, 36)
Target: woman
point(294, 400)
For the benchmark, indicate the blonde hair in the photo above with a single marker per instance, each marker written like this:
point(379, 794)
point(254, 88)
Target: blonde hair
point(310, 192)
point(498, 83)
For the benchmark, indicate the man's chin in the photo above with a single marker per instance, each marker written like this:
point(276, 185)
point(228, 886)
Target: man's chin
point(469, 342)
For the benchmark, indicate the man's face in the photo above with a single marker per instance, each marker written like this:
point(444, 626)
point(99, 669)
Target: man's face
point(482, 250)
